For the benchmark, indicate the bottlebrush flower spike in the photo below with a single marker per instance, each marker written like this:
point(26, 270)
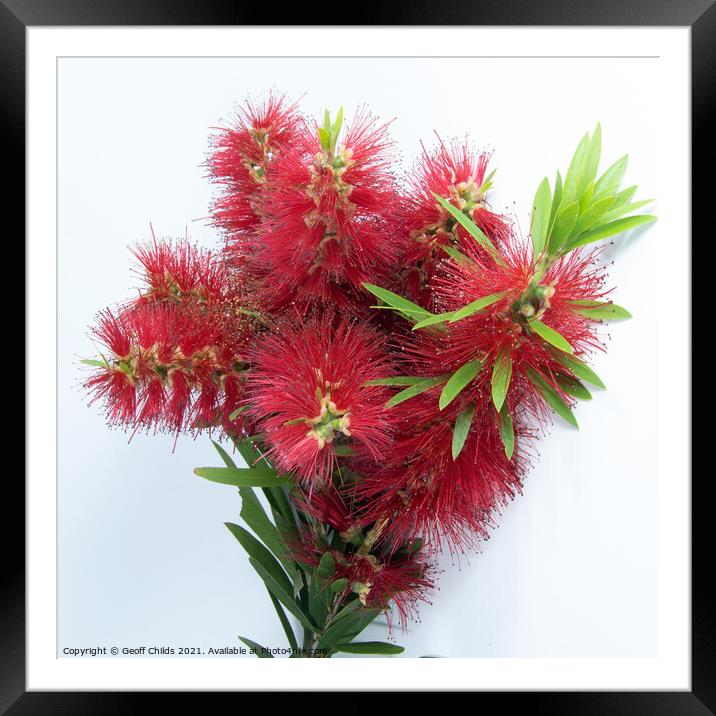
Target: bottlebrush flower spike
point(329, 215)
point(458, 172)
point(307, 392)
point(401, 580)
point(240, 161)
point(176, 354)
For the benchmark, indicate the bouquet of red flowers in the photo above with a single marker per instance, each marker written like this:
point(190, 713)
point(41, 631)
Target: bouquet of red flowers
point(382, 349)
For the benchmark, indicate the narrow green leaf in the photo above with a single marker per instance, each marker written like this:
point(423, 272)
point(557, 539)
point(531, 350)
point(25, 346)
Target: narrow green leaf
point(476, 306)
point(242, 476)
point(458, 256)
point(550, 335)
point(94, 363)
point(238, 412)
point(486, 182)
point(501, 377)
point(579, 368)
point(507, 430)
point(369, 647)
point(591, 162)
point(325, 137)
point(260, 651)
point(593, 215)
point(625, 196)
point(284, 596)
point(345, 628)
point(600, 310)
point(563, 226)
point(613, 227)
point(461, 429)
point(336, 129)
point(573, 387)
point(339, 585)
point(438, 318)
point(610, 180)
point(470, 226)
point(397, 302)
point(326, 567)
point(464, 375)
point(343, 450)
point(395, 380)
point(541, 211)
point(571, 179)
point(260, 553)
point(556, 204)
point(551, 397)
point(285, 623)
point(616, 211)
point(416, 389)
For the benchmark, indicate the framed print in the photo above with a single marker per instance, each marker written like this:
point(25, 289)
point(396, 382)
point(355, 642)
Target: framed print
point(335, 311)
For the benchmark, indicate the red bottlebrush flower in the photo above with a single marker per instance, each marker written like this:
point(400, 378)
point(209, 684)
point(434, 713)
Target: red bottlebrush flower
point(328, 217)
point(179, 271)
point(525, 295)
point(401, 580)
point(240, 161)
point(422, 490)
point(459, 174)
point(307, 392)
point(177, 353)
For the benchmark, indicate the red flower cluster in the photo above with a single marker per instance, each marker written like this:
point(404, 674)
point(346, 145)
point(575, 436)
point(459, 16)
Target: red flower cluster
point(274, 342)
point(174, 358)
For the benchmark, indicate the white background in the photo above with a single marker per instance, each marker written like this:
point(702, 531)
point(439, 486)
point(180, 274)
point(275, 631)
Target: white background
point(572, 570)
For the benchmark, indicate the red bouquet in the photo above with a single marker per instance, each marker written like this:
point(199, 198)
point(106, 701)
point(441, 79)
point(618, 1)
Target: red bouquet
point(381, 348)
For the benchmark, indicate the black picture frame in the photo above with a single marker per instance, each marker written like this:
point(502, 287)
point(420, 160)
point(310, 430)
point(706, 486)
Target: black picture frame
point(700, 15)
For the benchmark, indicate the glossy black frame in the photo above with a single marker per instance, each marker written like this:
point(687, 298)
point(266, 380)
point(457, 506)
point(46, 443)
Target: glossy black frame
point(700, 15)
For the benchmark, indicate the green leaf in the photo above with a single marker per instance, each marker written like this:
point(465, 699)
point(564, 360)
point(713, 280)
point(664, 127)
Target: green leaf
point(579, 368)
point(476, 306)
point(541, 210)
point(600, 310)
point(563, 226)
point(461, 429)
point(242, 476)
point(610, 180)
point(416, 389)
point(345, 628)
point(486, 182)
point(325, 138)
point(616, 211)
point(501, 377)
point(238, 412)
point(283, 595)
point(571, 179)
point(591, 162)
point(625, 196)
point(593, 215)
point(507, 430)
point(285, 623)
point(610, 229)
point(260, 553)
point(369, 647)
point(339, 585)
point(470, 226)
point(550, 335)
point(395, 380)
point(94, 363)
point(464, 375)
point(458, 256)
point(336, 129)
point(261, 651)
point(439, 318)
point(551, 397)
point(326, 567)
point(556, 204)
point(343, 450)
point(573, 387)
point(397, 303)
